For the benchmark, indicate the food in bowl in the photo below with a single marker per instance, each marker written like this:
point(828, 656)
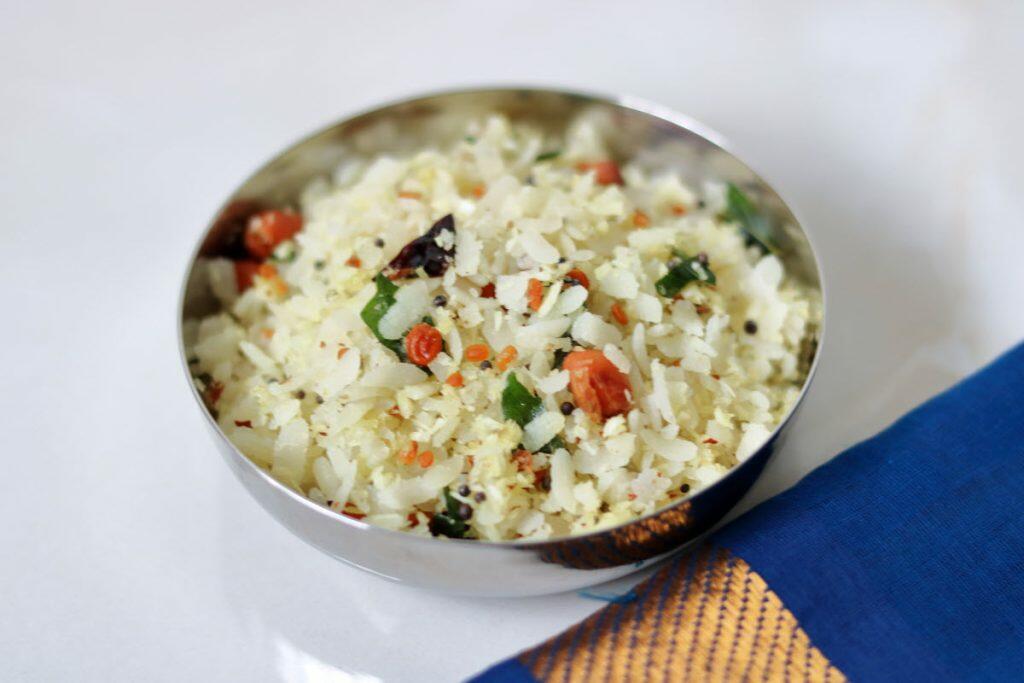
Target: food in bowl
point(508, 337)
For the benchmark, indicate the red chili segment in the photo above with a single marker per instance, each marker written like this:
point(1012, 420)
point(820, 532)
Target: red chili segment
point(523, 460)
point(267, 229)
point(605, 172)
point(422, 344)
point(535, 293)
point(245, 271)
point(599, 388)
point(579, 276)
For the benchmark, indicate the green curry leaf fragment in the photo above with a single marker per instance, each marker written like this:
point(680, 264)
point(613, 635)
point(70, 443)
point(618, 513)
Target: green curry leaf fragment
point(449, 523)
point(755, 225)
point(520, 406)
point(517, 403)
point(682, 270)
point(375, 309)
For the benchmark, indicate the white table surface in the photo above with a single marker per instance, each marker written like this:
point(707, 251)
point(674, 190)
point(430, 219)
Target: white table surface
point(130, 553)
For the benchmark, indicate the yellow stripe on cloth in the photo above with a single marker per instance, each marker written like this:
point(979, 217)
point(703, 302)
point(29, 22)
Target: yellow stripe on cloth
point(705, 617)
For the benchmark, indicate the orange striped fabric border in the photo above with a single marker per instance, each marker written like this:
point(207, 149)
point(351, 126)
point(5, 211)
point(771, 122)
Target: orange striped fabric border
point(705, 617)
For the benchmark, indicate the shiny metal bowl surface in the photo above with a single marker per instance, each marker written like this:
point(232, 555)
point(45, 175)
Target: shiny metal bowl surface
point(646, 134)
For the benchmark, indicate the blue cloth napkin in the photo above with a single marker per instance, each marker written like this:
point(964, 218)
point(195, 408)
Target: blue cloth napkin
point(902, 559)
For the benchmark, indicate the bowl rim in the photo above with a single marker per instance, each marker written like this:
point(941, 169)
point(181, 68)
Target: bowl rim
point(622, 101)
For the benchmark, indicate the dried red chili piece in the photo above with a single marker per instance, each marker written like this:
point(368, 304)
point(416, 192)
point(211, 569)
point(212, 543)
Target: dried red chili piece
point(598, 386)
point(227, 236)
point(605, 172)
point(423, 343)
point(577, 277)
point(425, 252)
point(245, 271)
point(523, 459)
point(213, 393)
point(267, 229)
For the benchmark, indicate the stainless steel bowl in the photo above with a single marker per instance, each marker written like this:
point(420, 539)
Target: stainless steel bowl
point(647, 134)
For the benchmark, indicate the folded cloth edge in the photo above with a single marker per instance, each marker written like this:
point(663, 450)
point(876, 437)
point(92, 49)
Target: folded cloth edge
point(701, 604)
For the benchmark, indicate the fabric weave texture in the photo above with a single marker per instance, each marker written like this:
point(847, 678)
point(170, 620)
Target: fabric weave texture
point(902, 559)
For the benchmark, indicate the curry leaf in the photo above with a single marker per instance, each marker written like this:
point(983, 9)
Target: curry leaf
point(517, 403)
point(548, 156)
point(520, 406)
point(755, 225)
point(375, 309)
point(448, 523)
point(682, 270)
point(553, 445)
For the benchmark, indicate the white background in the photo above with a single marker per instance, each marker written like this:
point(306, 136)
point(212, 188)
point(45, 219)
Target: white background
point(129, 552)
